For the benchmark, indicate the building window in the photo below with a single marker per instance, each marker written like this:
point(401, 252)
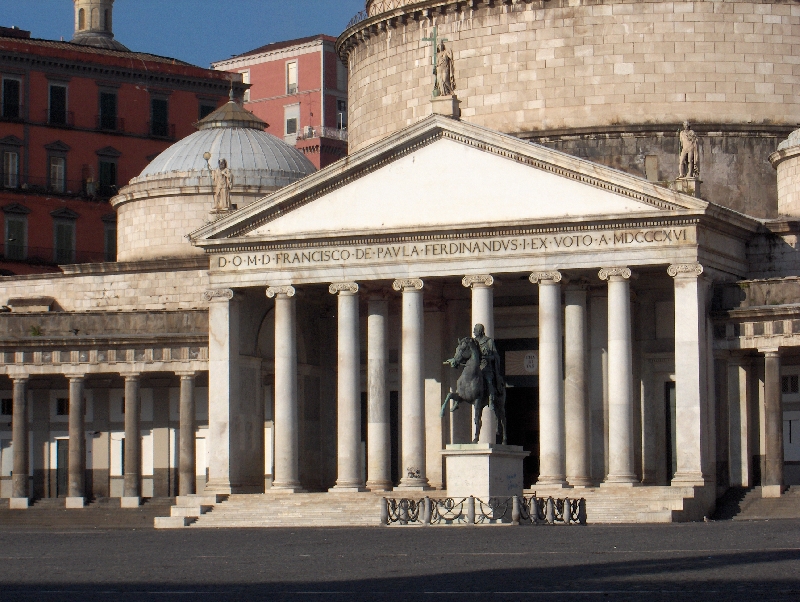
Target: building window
point(291, 119)
point(64, 241)
point(291, 126)
point(62, 406)
point(108, 178)
point(11, 98)
point(110, 241)
point(159, 117)
point(10, 169)
point(57, 113)
point(82, 19)
point(246, 81)
point(108, 111)
point(205, 110)
point(7, 407)
point(16, 237)
point(291, 77)
point(341, 114)
point(57, 174)
point(341, 76)
point(790, 384)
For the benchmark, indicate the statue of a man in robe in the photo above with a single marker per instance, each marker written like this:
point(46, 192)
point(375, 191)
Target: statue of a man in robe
point(689, 165)
point(445, 74)
point(223, 182)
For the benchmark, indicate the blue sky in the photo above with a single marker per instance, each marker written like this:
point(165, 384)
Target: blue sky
point(197, 31)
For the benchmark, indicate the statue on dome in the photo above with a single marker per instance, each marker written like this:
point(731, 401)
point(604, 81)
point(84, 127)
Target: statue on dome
point(689, 164)
point(445, 74)
point(223, 182)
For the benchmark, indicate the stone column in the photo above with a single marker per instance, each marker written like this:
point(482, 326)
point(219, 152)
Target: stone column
point(690, 372)
point(348, 390)
point(739, 456)
point(412, 386)
point(20, 490)
point(379, 470)
point(772, 481)
point(483, 313)
point(287, 464)
point(620, 378)
point(187, 446)
point(132, 491)
point(552, 453)
point(76, 486)
point(576, 399)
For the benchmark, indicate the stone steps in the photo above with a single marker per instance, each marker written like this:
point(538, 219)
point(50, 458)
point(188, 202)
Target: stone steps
point(104, 513)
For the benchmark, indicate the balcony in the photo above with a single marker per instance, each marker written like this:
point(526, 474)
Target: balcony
point(87, 189)
point(12, 112)
point(308, 133)
point(110, 123)
point(50, 255)
point(59, 118)
point(158, 129)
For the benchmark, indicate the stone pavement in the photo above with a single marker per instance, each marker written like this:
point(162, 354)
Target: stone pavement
point(697, 561)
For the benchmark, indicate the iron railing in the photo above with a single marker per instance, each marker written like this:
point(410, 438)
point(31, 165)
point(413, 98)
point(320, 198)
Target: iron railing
point(109, 123)
point(51, 256)
point(59, 118)
point(515, 510)
point(309, 133)
point(68, 187)
point(159, 129)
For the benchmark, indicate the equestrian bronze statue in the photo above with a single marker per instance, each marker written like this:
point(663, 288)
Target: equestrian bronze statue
point(481, 382)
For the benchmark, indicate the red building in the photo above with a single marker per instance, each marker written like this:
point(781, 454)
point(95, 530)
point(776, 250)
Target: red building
point(79, 119)
point(299, 87)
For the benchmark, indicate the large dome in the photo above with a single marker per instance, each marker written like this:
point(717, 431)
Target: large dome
point(174, 195)
point(233, 134)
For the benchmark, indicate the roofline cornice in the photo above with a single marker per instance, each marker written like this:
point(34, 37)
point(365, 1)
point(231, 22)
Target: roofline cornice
point(250, 59)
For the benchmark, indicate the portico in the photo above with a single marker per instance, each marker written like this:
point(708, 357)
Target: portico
point(445, 216)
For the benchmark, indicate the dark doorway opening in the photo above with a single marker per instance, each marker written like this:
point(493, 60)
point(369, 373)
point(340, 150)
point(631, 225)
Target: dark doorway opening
point(522, 417)
point(62, 467)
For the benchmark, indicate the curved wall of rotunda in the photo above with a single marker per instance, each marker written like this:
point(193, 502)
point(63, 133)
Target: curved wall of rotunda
point(608, 80)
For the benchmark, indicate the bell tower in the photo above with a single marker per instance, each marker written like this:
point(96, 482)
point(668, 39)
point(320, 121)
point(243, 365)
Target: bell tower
point(94, 24)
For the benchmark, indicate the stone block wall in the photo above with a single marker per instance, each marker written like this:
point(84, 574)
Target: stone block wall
point(530, 67)
point(159, 289)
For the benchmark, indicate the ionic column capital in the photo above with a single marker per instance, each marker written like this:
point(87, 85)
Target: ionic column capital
point(219, 294)
point(343, 288)
point(608, 273)
point(286, 291)
point(189, 374)
point(131, 376)
point(20, 379)
point(685, 269)
point(478, 280)
point(405, 284)
point(540, 277)
point(771, 352)
point(74, 378)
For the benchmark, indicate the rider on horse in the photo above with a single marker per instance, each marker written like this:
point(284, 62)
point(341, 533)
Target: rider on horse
point(490, 361)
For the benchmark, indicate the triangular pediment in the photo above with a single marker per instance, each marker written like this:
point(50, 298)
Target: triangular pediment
point(443, 175)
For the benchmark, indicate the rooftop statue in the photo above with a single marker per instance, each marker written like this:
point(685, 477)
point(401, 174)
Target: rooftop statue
point(444, 81)
point(481, 382)
point(689, 164)
point(223, 182)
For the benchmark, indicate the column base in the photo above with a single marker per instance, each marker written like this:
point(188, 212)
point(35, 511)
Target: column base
point(74, 503)
point(379, 485)
point(347, 489)
point(220, 486)
point(414, 485)
point(771, 491)
point(287, 488)
point(18, 503)
point(688, 480)
point(607, 484)
point(130, 502)
point(552, 483)
point(580, 482)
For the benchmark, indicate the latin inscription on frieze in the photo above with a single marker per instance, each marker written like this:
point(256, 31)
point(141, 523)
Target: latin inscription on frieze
point(441, 250)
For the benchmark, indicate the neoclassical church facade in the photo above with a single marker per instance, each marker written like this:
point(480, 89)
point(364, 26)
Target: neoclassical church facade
point(296, 341)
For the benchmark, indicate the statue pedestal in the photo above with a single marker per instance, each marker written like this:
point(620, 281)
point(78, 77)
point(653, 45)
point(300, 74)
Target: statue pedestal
point(484, 470)
point(690, 186)
point(447, 106)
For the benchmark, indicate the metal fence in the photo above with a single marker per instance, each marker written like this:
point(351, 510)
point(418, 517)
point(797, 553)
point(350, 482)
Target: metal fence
point(515, 510)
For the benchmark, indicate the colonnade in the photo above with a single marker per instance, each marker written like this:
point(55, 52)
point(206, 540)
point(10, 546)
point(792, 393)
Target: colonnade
point(76, 470)
point(564, 416)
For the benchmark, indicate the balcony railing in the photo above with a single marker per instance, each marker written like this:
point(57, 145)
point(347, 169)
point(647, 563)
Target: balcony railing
point(50, 255)
point(161, 130)
point(68, 187)
point(110, 124)
point(308, 133)
point(12, 112)
point(62, 118)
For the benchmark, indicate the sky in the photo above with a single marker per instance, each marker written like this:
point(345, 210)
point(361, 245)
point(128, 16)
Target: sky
point(196, 31)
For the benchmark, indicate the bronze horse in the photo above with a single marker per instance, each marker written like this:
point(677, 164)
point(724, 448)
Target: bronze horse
point(472, 388)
